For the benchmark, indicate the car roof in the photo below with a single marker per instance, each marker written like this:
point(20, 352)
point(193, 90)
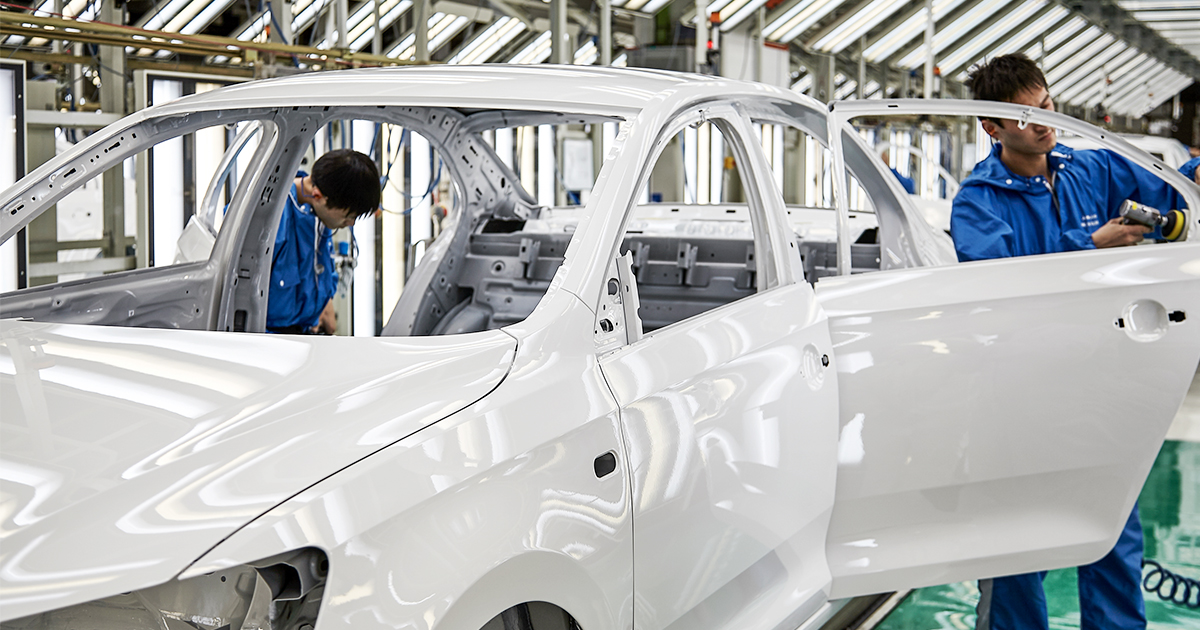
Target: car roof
point(583, 89)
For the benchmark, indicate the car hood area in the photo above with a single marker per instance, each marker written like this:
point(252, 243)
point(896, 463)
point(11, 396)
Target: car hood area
point(126, 454)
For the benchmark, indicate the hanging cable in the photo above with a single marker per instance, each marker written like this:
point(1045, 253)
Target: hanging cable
point(1171, 587)
point(386, 179)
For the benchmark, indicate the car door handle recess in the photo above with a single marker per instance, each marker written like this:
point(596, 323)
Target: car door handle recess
point(1147, 320)
point(605, 464)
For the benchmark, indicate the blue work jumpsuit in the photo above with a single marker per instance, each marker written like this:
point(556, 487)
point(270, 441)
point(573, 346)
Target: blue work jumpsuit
point(1189, 168)
point(303, 274)
point(996, 214)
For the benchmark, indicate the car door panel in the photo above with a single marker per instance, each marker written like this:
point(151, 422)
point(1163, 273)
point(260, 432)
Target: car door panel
point(1000, 417)
point(728, 418)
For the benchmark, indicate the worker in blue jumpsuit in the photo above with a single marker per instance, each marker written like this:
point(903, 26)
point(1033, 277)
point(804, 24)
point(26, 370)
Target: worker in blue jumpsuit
point(343, 186)
point(883, 149)
point(1035, 196)
point(1189, 169)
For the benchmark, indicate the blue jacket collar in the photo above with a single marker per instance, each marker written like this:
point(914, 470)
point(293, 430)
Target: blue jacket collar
point(992, 171)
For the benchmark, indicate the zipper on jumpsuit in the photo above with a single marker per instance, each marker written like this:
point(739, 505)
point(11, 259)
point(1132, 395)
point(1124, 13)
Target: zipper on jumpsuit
point(1049, 183)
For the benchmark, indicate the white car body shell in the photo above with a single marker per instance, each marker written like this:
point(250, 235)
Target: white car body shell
point(925, 423)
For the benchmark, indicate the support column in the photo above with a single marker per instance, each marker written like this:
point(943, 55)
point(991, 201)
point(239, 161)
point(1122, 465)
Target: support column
point(421, 28)
point(377, 40)
point(112, 101)
point(281, 25)
point(929, 27)
point(560, 51)
point(823, 78)
point(606, 38)
point(701, 48)
point(341, 14)
point(862, 67)
point(760, 20)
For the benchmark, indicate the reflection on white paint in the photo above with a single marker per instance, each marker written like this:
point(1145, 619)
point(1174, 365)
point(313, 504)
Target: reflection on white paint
point(13, 572)
point(44, 483)
point(128, 390)
point(1123, 273)
point(854, 362)
point(986, 340)
point(358, 591)
point(939, 347)
point(850, 443)
point(866, 542)
point(272, 353)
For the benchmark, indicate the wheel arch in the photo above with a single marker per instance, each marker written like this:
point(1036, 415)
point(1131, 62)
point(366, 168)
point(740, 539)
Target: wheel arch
point(534, 577)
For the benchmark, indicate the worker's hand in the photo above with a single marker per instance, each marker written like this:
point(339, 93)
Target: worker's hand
point(1117, 234)
point(327, 324)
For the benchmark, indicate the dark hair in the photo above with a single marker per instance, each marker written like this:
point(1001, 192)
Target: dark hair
point(1002, 78)
point(349, 181)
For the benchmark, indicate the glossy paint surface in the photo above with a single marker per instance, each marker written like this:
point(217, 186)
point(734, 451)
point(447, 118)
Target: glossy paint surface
point(497, 504)
point(728, 417)
point(127, 453)
point(1018, 434)
point(973, 415)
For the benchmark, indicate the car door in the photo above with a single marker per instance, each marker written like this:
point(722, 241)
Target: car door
point(1000, 417)
point(729, 420)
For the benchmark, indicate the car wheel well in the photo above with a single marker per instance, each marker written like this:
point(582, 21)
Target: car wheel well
point(533, 616)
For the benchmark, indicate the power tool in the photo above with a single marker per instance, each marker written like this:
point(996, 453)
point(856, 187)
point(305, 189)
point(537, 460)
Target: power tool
point(1174, 223)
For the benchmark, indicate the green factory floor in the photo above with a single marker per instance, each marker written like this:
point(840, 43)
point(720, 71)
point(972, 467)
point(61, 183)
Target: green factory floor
point(1170, 512)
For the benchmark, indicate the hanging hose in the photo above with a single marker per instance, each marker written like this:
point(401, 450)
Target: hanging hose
point(1171, 587)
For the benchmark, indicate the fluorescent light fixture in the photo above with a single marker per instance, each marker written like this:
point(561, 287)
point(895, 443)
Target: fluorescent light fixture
point(1089, 64)
point(845, 89)
point(1121, 78)
point(803, 85)
point(733, 15)
point(1165, 16)
point(997, 30)
point(898, 37)
point(1136, 5)
point(442, 26)
point(389, 11)
point(1082, 86)
point(1134, 85)
point(849, 30)
point(480, 49)
point(1056, 73)
point(1138, 100)
point(537, 51)
point(621, 61)
point(977, 14)
point(587, 54)
point(1064, 52)
point(1039, 26)
point(799, 18)
point(1068, 30)
point(79, 9)
point(205, 17)
point(359, 24)
point(159, 18)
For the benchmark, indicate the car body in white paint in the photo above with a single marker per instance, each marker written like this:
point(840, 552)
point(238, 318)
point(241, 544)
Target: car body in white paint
point(917, 423)
point(1172, 152)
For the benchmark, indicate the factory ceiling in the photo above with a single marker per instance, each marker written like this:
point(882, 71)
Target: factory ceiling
point(1120, 57)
